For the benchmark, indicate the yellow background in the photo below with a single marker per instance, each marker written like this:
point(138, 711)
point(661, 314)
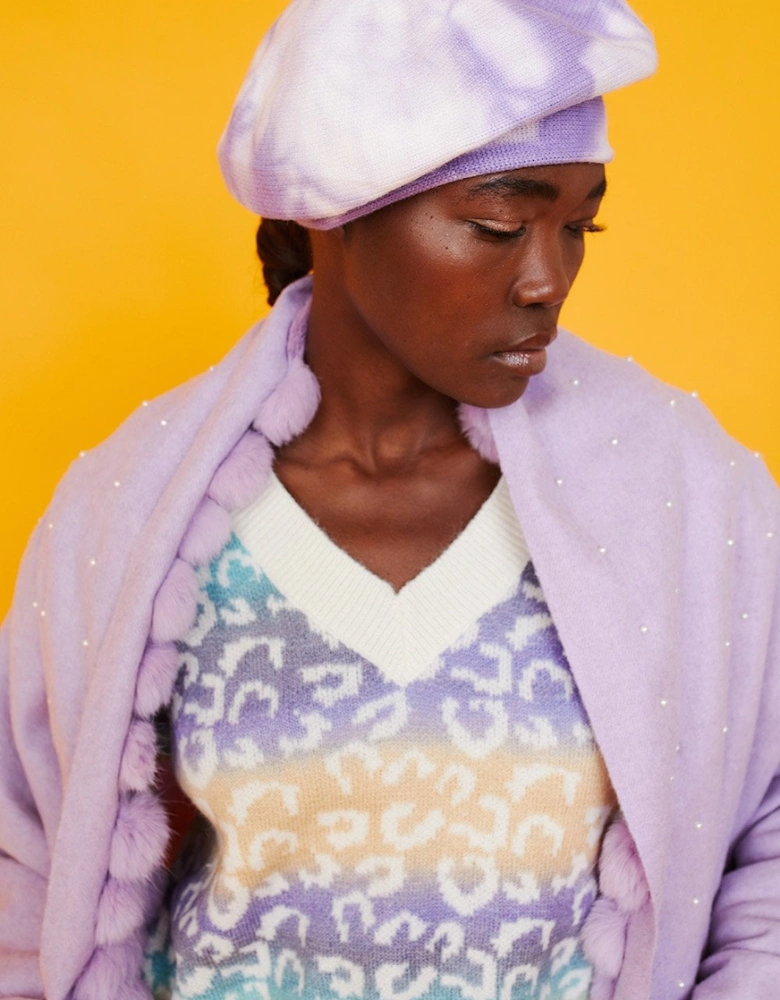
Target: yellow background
point(126, 267)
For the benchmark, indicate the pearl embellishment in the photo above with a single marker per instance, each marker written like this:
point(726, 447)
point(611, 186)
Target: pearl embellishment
point(615, 441)
point(117, 483)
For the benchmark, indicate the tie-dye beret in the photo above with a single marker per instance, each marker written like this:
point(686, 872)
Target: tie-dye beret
point(352, 104)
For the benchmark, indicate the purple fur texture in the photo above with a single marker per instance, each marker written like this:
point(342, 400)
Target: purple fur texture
point(604, 937)
point(120, 911)
point(139, 838)
point(291, 406)
point(475, 425)
point(110, 971)
point(241, 477)
point(207, 534)
point(176, 603)
point(156, 677)
point(139, 757)
point(602, 989)
point(621, 876)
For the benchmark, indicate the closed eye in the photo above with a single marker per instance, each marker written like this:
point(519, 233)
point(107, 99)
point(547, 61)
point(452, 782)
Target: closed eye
point(578, 228)
point(497, 234)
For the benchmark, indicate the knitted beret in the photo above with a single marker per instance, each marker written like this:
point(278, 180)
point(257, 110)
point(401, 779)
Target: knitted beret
point(351, 104)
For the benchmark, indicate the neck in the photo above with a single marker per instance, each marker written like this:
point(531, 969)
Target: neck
point(374, 412)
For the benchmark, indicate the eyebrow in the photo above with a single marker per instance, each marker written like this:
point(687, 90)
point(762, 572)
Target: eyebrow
point(525, 187)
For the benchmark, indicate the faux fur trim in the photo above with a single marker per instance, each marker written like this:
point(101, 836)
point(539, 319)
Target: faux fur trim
point(621, 876)
point(602, 989)
point(475, 425)
point(156, 677)
point(242, 475)
point(291, 406)
point(175, 604)
point(208, 533)
point(120, 911)
point(139, 839)
point(110, 973)
point(139, 757)
point(604, 937)
point(623, 891)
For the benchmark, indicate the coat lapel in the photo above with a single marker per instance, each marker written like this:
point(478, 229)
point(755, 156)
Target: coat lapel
point(613, 604)
point(90, 803)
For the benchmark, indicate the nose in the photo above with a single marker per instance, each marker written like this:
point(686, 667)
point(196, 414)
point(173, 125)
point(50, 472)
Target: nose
point(542, 276)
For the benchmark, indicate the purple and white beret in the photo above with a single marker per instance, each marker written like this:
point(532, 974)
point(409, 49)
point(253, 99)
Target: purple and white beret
point(352, 104)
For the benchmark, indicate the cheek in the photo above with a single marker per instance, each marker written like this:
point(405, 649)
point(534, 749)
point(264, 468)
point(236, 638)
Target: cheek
point(422, 281)
point(573, 256)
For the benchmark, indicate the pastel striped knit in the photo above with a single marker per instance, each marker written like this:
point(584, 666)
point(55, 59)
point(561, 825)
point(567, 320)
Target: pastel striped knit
point(407, 798)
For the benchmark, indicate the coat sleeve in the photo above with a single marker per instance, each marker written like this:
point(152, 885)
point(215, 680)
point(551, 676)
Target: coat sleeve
point(24, 856)
point(742, 958)
point(744, 946)
point(30, 797)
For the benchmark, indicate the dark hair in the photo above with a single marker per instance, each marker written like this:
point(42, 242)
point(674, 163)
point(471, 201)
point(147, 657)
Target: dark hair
point(284, 249)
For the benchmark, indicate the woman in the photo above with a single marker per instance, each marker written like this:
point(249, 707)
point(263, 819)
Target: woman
point(362, 648)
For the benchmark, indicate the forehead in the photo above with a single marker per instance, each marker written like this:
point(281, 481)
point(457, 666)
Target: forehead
point(562, 182)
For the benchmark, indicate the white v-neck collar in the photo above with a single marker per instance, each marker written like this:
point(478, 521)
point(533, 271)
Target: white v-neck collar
point(400, 633)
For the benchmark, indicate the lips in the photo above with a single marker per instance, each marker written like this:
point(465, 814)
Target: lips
point(526, 357)
point(536, 343)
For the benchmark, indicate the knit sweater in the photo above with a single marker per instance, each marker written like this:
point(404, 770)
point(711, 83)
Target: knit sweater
point(407, 796)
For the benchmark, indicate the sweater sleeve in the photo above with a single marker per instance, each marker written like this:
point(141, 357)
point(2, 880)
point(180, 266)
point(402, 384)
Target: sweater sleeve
point(24, 855)
point(743, 959)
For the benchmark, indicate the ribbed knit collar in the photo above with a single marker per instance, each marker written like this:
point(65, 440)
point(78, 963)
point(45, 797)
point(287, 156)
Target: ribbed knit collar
point(400, 633)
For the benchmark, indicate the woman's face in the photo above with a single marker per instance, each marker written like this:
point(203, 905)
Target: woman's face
point(462, 285)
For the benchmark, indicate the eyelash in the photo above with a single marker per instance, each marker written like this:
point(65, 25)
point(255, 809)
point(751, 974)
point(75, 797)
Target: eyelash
point(512, 234)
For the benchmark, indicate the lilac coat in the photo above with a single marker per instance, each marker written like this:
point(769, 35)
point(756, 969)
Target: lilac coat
point(657, 541)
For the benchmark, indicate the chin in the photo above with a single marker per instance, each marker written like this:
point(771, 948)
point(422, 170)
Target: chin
point(493, 397)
